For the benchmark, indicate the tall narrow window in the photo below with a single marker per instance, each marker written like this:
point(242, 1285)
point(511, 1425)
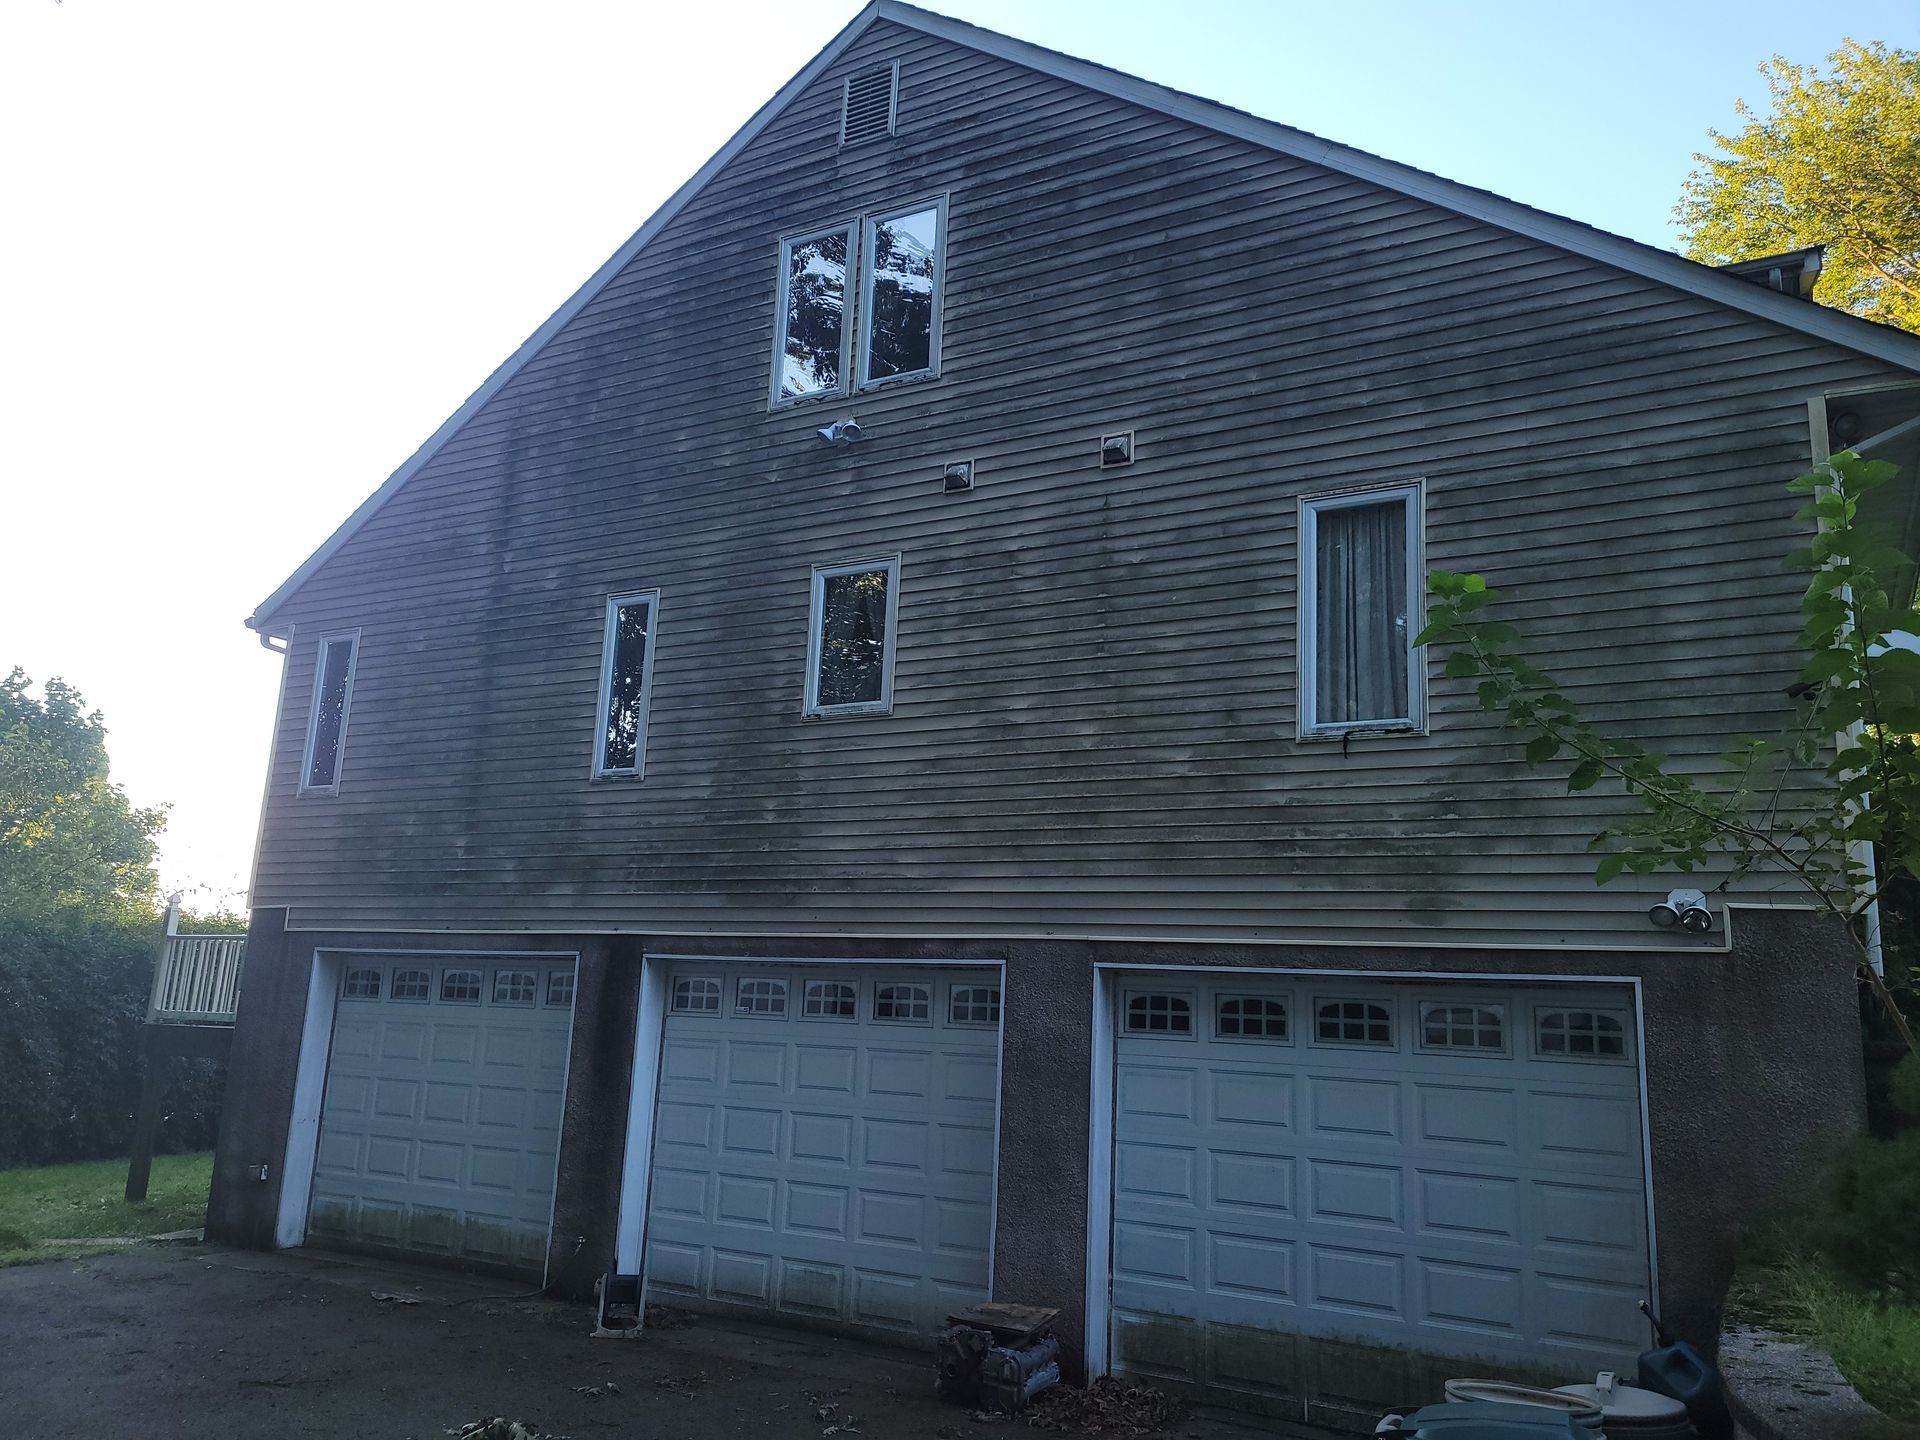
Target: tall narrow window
point(626, 682)
point(901, 329)
point(850, 642)
point(1360, 579)
point(327, 725)
point(810, 351)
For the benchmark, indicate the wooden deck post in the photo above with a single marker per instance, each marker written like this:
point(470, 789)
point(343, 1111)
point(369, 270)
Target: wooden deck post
point(153, 1071)
point(155, 1062)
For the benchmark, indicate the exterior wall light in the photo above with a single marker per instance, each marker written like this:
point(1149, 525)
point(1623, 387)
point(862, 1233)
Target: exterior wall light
point(1685, 908)
point(840, 432)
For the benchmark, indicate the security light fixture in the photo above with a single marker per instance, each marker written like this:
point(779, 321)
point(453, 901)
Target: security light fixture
point(1685, 908)
point(840, 432)
point(957, 476)
point(1116, 449)
point(1845, 426)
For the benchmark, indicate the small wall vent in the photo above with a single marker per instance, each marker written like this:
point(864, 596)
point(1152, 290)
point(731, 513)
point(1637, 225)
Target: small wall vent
point(869, 104)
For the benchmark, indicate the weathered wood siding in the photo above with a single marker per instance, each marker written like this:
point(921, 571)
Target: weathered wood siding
point(1094, 722)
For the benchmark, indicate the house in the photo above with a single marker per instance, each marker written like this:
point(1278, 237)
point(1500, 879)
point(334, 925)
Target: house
point(880, 759)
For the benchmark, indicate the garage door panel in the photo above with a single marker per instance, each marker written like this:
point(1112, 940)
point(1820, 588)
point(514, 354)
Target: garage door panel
point(826, 1165)
point(1260, 1267)
point(1439, 1190)
point(441, 1120)
point(1484, 1299)
point(1252, 1183)
point(1349, 1193)
point(1472, 1208)
point(1347, 1109)
point(1263, 1102)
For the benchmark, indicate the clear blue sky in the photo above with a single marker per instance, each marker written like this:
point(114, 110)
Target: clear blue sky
point(256, 253)
point(1588, 110)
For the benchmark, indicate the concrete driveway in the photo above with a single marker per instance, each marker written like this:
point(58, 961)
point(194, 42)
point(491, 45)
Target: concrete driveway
point(208, 1343)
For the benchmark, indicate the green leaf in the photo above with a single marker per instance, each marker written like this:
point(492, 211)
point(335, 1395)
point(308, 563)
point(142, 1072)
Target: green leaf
point(1609, 868)
point(1541, 749)
point(1585, 775)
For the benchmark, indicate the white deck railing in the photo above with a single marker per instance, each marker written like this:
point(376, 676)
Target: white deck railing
point(196, 978)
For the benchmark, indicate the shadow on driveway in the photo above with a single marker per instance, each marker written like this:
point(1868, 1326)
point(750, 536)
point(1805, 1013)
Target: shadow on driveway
point(209, 1343)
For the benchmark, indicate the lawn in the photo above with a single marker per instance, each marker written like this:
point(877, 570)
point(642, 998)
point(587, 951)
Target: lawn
point(87, 1202)
point(1875, 1343)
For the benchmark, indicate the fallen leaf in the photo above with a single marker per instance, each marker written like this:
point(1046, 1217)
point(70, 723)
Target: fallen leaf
point(389, 1298)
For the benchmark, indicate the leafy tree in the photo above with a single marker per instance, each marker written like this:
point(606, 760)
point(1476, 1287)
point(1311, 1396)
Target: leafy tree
point(78, 927)
point(70, 841)
point(1798, 806)
point(1835, 162)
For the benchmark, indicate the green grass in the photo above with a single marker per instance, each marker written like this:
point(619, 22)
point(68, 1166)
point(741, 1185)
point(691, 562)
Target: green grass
point(87, 1202)
point(1875, 1343)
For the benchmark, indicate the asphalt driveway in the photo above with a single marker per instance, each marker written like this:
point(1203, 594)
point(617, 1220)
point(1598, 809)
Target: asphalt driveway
point(209, 1343)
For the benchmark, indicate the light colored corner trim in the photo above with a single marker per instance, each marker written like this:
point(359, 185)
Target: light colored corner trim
point(636, 1170)
point(811, 708)
point(1098, 1352)
point(322, 644)
point(1306, 609)
point(615, 603)
point(863, 334)
point(848, 318)
point(309, 1091)
point(1880, 342)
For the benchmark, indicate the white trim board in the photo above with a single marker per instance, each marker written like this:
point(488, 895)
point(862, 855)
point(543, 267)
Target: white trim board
point(1719, 941)
point(1097, 1353)
point(1835, 327)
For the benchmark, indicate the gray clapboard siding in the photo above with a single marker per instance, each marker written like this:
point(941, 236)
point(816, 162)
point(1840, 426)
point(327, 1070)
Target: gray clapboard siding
point(1094, 712)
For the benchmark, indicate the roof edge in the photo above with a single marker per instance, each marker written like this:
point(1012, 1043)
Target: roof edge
point(1835, 327)
point(574, 304)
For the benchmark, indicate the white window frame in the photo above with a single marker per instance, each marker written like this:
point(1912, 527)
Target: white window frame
point(852, 230)
point(1413, 497)
point(609, 633)
point(327, 641)
point(816, 619)
point(1191, 1000)
point(1497, 1008)
point(869, 225)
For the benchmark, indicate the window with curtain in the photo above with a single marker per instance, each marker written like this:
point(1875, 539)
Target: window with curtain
point(1360, 603)
point(850, 669)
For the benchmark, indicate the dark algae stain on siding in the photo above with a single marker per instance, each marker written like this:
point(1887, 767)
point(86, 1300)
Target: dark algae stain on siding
point(1093, 726)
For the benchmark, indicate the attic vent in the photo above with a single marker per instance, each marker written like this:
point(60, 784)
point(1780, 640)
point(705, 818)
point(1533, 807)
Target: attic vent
point(867, 109)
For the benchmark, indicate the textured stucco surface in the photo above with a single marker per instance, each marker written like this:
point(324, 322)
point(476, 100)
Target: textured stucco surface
point(1753, 1064)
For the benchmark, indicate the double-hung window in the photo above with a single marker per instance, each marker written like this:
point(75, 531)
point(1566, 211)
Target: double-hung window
point(850, 638)
point(1360, 605)
point(859, 303)
point(327, 720)
point(626, 683)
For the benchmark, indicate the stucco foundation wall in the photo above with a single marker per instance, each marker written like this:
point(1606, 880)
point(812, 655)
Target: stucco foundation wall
point(1753, 1061)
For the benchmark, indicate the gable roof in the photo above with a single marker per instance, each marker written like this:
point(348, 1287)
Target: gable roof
point(1722, 287)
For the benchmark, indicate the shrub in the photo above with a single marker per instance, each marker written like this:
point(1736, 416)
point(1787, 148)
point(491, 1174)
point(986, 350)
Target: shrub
point(1867, 1230)
point(72, 996)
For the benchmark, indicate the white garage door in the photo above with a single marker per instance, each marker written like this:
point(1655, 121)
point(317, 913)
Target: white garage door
point(1380, 1169)
point(440, 1130)
point(824, 1143)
